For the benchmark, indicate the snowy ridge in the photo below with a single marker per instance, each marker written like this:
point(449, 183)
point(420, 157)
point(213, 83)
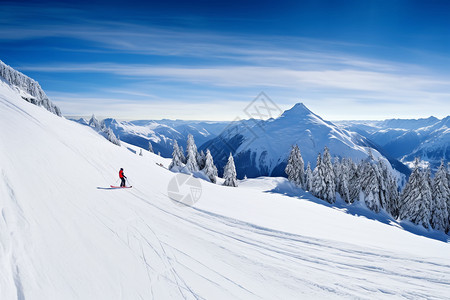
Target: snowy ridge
point(261, 148)
point(405, 139)
point(65, 235)
point(29, 89)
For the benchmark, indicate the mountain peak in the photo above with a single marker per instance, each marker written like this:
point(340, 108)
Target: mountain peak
point(297, 110)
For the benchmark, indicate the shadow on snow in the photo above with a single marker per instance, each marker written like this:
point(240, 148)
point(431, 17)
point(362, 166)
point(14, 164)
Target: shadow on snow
point(359, 209)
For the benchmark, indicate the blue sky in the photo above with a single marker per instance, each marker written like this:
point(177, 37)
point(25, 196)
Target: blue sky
point(209, 59)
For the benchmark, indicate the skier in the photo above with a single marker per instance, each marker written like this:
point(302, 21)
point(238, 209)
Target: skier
point(122, 177)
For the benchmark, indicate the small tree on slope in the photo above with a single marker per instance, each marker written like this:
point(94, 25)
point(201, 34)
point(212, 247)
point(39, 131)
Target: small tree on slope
point(191, 157)
point(415, 199)
point(110, 136)
point(182, 156)
point(344, 181)
point(318, 183)
point(210, 169)
point(229, 173)
point(201, 160)
point(150, 147)
point(370, 186)
point(308, 178)
point(441, 193)
point(295, 169)
point(176, 158)
point(329, 177)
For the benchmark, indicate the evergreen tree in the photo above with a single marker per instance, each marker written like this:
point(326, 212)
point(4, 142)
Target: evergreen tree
point(318, 182)
point(355, 171)
point(308, 178)
point(441, 194)
point(416, 198)
point(329, 177)
point(110, 136)
point(191, 162)
point(210, 169)
point(344, 181)
point(150, 147)
point(94, 123)
point(229, 173)
point(182, 156)
point(392, 204)
point(176, 158)
point(201, 159)
point(295, 169)
point(370, 186)
point(448, 199)
point(337, 168)
point(191, 157)
point(323, 178)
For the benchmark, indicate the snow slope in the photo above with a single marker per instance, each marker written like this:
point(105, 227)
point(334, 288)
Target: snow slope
point(65, 235)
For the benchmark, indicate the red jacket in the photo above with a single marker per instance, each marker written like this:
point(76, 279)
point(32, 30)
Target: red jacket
point(121, 174)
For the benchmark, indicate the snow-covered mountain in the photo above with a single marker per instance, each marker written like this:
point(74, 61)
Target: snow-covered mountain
point(405, 139)
point(65, 235)
point(261, 148)
point(27, 88)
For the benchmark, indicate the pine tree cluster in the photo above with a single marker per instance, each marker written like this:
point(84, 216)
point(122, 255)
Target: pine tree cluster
point(193, 161)
point(29, 86)
point(424, 200)
point(103, 130)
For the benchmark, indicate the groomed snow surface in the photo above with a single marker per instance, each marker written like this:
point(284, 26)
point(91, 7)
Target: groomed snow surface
point(65, 235)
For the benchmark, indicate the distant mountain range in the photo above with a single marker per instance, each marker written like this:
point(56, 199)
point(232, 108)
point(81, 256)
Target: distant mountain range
point(405, 139)
point(260, 147)
point(161, 133)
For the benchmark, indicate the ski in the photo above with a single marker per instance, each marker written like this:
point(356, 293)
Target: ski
point(120, 187)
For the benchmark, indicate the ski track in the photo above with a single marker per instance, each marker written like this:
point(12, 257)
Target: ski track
point(282, 260)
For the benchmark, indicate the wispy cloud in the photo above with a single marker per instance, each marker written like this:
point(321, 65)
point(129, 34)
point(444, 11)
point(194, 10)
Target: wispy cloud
point(199, 70)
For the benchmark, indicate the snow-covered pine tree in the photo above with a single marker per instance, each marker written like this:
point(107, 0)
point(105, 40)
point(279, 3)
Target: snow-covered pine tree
point(201, 160)
point(176, 159)
point(416, 198)
point(191, 156)
point(448, 199)
point(318, 182)
point(355, 171)
point(182, 156)
point(329, 177)
point(308, 178)
point(370, 186)
point(337, 173)
point(191, 162)
point(94, 123)
point(441, 194)
point(229, 173)
point(389, 189)
point(393, 196)
point(36, 94)
point(344, 173)
point(150, 147)
point(110, 136)
point(210, 169)
point(295, 169)
point(383, 177)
